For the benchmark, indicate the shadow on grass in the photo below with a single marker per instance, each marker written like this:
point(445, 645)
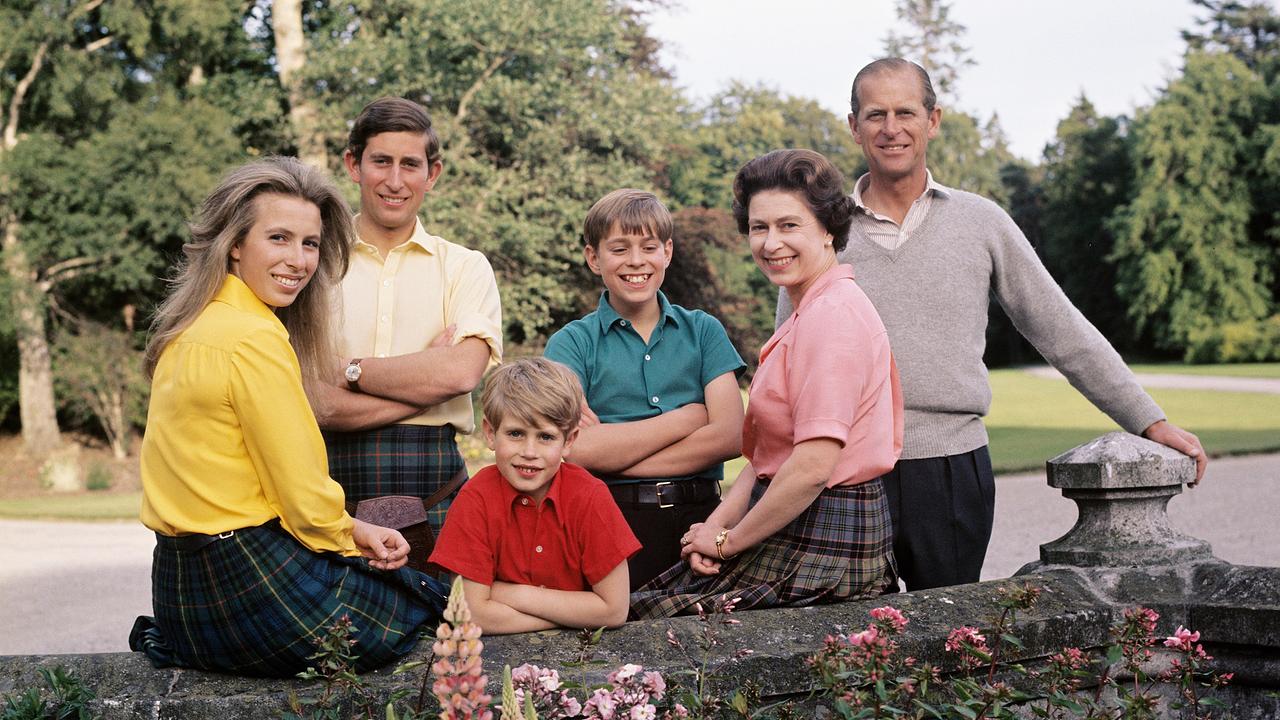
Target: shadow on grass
point(1018, 449)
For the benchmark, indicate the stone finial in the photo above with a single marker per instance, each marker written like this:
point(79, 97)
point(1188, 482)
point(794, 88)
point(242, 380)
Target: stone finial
point(1121, 484)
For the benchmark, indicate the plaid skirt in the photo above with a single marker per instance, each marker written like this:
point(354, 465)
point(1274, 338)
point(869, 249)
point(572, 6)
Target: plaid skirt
point(257, 602)
point(839, 548)
point(396, 460)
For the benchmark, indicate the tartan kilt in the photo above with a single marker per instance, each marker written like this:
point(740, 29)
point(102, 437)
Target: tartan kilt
point(412, 460)
point(839, 548)
point(257, 602)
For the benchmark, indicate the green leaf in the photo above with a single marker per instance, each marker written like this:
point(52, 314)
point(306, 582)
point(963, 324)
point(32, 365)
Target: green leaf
point(1114, 653)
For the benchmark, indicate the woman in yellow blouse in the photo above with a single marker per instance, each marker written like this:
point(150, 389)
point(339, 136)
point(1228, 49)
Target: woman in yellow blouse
point(255, 555)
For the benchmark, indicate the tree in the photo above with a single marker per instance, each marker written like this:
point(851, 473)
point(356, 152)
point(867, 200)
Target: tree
point(933, 40)
point(1248, 30)
point(533, 131)
point(743, 122)
point(1088, 174)
point(1184, 256)
point(113, 131)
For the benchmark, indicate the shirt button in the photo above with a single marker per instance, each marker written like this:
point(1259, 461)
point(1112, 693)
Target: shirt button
point(386, 318)
point(524, 501)
point(646, 358)
point(386, 283)
point(655, 398)
point(538, 549)
point(623, 323)
point(382, 354)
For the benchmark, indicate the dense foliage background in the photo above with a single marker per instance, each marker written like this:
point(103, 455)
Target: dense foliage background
point(118, 115)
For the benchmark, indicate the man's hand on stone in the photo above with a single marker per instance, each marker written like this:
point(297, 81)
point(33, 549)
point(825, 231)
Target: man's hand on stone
point(1170, 435)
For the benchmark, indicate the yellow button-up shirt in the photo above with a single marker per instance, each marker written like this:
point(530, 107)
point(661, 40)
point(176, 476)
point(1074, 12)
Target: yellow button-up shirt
point(398, 305)
point(231, 441)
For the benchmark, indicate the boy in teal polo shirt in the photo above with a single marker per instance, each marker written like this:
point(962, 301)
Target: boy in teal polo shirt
point(663, 408)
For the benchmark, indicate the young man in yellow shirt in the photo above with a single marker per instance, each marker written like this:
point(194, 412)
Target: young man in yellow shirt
point(421, 323)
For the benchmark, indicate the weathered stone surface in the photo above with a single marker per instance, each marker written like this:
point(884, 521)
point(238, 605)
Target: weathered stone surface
point(1121, 553)
point(1122, 485)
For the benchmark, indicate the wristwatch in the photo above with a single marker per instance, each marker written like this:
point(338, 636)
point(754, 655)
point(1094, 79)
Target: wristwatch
point(352, 374)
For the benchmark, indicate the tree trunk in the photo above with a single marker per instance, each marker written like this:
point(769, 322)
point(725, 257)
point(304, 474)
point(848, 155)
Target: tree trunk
point(35, 370)
point(291, 56)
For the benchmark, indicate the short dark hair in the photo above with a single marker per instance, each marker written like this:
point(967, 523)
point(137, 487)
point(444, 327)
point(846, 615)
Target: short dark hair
point(806, 173)
point(928, 96)
point(392, 114)
point(634, 211)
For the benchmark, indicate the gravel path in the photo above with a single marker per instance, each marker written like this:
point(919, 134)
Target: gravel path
point(69, 587)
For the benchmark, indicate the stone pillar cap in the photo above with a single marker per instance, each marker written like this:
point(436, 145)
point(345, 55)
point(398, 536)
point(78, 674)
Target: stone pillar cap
point(1120, 460)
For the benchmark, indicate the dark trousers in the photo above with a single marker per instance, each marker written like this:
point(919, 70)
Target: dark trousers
point(942, 509)
point(658, 530)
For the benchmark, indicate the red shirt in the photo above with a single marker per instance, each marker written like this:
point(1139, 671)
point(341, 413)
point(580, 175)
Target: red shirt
point(571, 542)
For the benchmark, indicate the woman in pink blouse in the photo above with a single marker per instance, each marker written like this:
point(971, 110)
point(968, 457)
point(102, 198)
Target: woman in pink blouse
point(806, 521)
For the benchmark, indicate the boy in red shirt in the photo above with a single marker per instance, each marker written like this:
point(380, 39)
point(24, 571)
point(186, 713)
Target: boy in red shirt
point(539, 543)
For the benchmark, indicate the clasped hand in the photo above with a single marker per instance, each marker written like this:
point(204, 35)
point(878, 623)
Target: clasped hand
point(385, 548)
point(698, 548)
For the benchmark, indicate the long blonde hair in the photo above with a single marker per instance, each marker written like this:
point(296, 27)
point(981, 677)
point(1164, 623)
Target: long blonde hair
point(223, 222)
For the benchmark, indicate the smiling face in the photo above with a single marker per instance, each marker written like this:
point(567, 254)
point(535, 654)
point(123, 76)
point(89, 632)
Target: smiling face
point(788, 243)
point(892, 125)
point(632, 266)
point(528, 454)
point(394, 178)
point(281, 250)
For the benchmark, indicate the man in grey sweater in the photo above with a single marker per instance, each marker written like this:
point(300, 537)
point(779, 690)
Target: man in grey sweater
point(928, 256)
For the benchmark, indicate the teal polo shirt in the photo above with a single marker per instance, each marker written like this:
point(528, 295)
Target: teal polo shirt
point(627, 379)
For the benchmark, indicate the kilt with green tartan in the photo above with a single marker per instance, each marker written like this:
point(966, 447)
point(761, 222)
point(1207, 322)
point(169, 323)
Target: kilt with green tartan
point(839, 548)
point(412, 460)
point(256, 603)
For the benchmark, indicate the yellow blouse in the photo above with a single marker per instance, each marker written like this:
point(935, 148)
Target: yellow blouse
point(231, 441)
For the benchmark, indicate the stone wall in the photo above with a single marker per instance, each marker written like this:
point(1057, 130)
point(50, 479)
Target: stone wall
point(1120, 554)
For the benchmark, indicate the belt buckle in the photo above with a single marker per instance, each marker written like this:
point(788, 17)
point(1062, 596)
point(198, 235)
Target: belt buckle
point(657, 491)
point(225, 535)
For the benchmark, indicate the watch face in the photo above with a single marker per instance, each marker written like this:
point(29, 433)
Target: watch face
point(352, 373)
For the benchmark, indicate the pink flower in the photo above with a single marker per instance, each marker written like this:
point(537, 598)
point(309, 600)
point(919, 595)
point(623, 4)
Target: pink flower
point(1182, 639)
point(643, 712)
point(958, 638)
point(654, 684)
point(460, 680)
point(867, 637)
point(891, 615)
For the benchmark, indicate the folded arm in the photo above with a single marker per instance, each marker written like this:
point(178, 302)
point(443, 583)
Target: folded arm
point(345, 411)
point(495, 617)
point(429, 376)
point(604, 605)
point(718, 440)
point(614, 447)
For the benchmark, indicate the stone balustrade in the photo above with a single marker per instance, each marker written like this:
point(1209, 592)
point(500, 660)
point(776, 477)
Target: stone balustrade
point(1122, 552)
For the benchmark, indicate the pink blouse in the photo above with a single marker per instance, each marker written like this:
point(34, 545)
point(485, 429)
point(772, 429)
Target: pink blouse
point(827, 373)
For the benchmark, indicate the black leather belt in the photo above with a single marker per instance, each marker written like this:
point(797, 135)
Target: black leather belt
point(666, 494)
point(191, 542)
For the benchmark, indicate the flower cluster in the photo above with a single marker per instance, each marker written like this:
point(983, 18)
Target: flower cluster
point(971, 645)
point(631, 694)
point(1185, 640)
point(1135, 635)
point(543, 687)
point(460, 679)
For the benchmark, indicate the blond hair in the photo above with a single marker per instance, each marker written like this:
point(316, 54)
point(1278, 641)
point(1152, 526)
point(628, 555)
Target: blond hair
point(533, 390)
point(223, 222)
point(634, 211)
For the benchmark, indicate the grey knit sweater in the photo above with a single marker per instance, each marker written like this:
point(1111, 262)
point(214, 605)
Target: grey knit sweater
point(932, 293)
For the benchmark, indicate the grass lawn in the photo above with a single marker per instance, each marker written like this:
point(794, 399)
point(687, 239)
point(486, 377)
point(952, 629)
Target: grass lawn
point(1248, 370)
point(80, 506)
point(1032, 419)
